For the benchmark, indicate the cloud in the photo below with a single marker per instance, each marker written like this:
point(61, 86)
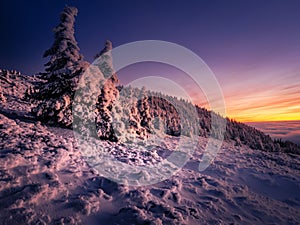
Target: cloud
point(286, 130)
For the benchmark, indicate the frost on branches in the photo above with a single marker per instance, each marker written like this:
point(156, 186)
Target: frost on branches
point(61, 75)
point(109, 94)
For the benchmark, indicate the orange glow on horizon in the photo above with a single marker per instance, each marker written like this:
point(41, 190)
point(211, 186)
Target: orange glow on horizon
point(261, 109)
point(264, 117)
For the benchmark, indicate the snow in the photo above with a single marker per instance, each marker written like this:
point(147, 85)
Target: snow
point(45, 179)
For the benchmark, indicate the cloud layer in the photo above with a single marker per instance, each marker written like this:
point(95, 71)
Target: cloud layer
point(287, 130)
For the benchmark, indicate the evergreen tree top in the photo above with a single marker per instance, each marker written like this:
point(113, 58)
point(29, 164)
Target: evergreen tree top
point(107, 48)
point(64, 52)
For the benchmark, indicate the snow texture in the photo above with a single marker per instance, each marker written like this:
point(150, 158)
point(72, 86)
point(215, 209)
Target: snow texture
point(44, 178)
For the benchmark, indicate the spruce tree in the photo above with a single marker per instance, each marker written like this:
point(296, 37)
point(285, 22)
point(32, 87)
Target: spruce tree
point(62, 73)
point(144, 108)
point(109, 94)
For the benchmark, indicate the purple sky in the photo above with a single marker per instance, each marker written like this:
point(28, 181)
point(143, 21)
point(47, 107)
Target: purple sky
point(253, 47)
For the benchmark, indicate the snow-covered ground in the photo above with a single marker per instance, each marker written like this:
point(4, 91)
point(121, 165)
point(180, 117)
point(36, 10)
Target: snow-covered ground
point(45, 180)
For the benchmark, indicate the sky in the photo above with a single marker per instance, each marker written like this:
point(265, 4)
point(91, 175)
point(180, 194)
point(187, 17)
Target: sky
point(252, 47)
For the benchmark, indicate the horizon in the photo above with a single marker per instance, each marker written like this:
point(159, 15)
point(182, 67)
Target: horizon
point(285, 130)
point(252, 47)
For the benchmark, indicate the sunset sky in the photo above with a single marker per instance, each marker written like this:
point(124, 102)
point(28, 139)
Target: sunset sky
point(253, 47)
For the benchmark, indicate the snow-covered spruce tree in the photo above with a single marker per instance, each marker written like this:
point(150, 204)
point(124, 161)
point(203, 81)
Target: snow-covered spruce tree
point(61, 74)
point(164, 113)
point(121, 115)
point(131, 116)
point(109, 94)
point(134, 118)
point(145, 116)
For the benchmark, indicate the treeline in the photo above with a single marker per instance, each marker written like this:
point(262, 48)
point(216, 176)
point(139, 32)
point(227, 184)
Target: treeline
point(167, 109)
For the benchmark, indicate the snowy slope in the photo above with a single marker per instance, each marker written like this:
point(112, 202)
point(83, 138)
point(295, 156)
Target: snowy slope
point(44, 180)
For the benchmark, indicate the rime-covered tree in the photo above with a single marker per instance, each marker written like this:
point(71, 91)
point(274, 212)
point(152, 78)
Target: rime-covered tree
point(131, 116)
point(134, 118)
point(108, 96)
point(65, 59)
point(62, 73)
point(144, 109)
point(104, 60)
